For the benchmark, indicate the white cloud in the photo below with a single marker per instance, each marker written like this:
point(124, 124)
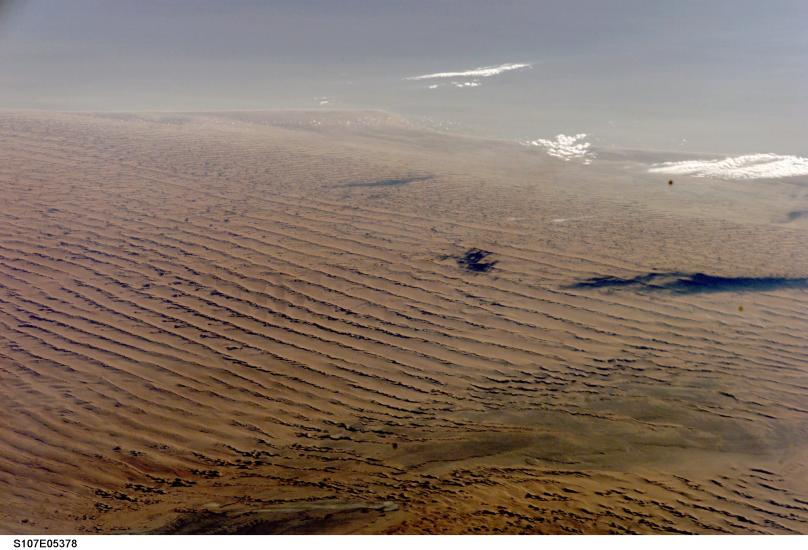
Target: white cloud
point(566, 147)
point(744, 167)
point(479, 72)
point(456, 84)
point(468, 84)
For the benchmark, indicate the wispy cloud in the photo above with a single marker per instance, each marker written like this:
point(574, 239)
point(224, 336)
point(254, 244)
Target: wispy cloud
point(456, 84)
point(468, 84)
point(479, 72)
point(744, 167)
point(566, 147)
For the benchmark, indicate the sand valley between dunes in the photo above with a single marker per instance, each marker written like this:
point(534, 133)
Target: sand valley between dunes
point(332, 322)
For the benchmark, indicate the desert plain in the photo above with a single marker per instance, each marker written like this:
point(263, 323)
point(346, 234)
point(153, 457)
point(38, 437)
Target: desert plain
point(338, 322)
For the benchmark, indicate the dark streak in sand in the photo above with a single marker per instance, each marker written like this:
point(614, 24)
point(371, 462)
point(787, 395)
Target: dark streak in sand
point(692, 283)
point(389, 182)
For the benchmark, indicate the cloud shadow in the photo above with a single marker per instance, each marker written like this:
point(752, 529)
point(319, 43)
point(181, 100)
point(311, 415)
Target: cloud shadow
point(473, 260)
point(692, 283)
point(389, 182)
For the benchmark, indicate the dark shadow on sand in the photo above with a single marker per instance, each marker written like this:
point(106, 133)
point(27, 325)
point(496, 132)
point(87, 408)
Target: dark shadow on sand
point(390, 182)
point(796, 215)
point(692, 283)
point(472, 260)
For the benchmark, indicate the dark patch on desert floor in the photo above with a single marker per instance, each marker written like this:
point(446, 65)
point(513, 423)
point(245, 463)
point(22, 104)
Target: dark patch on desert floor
point(692, 283)
point(388, 182)
point(796, 215)
point(308, 518)
point(472, 260)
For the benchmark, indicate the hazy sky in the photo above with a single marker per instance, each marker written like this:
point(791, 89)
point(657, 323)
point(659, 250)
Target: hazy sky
point(723, 76)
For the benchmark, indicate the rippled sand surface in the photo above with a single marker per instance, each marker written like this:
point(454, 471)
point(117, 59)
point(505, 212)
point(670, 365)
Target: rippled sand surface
point(335, 322)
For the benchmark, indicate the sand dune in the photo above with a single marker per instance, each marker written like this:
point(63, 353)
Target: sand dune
point(336, 322)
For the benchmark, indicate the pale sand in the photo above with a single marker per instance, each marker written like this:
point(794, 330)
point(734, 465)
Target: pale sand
point(257, 323)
